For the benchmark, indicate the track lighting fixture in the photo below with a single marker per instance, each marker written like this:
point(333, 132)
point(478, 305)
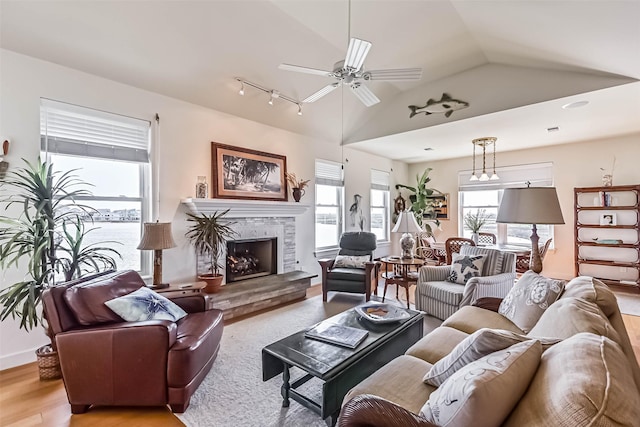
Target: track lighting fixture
point(273, 94)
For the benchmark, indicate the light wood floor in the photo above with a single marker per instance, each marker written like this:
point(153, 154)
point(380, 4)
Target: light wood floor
point(26, 401)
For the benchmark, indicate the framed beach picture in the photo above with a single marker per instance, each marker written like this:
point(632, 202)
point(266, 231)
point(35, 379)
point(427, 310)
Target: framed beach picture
point(241, 173)
point(608, 218)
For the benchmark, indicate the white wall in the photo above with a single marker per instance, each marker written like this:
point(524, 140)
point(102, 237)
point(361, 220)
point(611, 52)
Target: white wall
point(574, 165)
point(186, 132)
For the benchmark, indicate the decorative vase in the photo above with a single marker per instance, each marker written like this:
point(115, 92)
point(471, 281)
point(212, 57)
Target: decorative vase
point(607, 180)
point(474, 237)
point(297, 194)
point(214, 282)
point(202, 188)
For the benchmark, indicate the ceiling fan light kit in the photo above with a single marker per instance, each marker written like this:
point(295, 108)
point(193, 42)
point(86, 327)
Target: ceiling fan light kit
point(273, 94)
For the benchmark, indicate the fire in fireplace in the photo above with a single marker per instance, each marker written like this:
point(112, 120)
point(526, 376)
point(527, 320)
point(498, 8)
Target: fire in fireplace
point(251, 258)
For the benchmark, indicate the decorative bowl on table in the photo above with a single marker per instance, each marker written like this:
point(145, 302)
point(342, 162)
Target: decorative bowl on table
point(382, 312)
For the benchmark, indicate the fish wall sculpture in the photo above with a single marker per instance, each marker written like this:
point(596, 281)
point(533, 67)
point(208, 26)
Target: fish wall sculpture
point(446, 105)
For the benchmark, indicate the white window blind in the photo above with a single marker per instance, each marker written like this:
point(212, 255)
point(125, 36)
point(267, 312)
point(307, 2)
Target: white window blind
point(79, 131)
point(329, 173)
point(538, 174)
point(379, 180)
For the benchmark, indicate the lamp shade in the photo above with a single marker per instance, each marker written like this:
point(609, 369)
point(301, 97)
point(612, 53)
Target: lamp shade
point(406, 223)
point(531, 205)
point(157, 235)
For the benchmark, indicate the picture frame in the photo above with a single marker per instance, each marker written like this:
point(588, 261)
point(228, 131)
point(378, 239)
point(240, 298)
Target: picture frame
point(242, 173)
point(608, 219)
point(441, 206)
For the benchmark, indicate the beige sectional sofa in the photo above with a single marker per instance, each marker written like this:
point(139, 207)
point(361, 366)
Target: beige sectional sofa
point(590, 378)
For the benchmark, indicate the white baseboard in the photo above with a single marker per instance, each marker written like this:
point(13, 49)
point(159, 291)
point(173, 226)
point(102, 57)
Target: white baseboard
point(16, 359)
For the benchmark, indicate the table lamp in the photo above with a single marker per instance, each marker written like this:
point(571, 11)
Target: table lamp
point(531, 205)
point(157, 236)
point(407, 224)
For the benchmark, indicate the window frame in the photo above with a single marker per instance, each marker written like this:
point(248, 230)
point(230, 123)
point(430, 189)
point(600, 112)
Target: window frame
point(329, 174)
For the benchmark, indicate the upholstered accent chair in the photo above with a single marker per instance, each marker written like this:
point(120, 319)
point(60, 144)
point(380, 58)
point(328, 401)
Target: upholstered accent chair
point(354, 269)
point(441, 298)
point(453, 245)
point(523, 261)
point(487, 239)
point(106, 361)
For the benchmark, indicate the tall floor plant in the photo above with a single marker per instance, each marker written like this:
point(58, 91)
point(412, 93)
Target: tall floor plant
point(48, 233)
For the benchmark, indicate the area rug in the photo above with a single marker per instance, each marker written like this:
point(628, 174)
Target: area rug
point(233, 393)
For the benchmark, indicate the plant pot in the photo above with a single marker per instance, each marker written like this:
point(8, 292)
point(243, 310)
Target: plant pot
point(214, 282)
point(474, 237)
point(48, 363)
point(297, 194)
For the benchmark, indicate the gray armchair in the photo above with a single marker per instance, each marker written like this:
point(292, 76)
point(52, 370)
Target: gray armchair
point(440, 298)
point(347, 279)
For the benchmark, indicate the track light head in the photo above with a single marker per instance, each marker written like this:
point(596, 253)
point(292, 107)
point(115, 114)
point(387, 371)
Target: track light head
point(299, 110)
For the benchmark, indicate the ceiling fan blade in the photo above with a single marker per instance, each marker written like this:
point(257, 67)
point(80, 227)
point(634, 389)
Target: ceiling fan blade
point(397, 74)
point(322, 92)
point(356, 54)
point(297, 68)
point(364, 94)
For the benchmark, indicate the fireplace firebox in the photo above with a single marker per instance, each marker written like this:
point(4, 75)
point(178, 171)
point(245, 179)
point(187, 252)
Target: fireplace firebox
point(251, 258)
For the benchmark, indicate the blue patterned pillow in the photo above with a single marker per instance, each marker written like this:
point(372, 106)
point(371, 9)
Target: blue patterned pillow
point(144, 304)
point(464, 267)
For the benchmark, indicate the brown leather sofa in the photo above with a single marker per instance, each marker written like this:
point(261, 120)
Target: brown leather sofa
point(107, 361)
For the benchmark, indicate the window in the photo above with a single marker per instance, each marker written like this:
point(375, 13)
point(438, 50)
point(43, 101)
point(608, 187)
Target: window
point(329, 204)
point(486, 195)
point(110, 152)
point(380, 204)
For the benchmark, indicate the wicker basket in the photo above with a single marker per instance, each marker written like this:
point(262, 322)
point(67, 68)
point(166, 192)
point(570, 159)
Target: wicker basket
point(48, 363)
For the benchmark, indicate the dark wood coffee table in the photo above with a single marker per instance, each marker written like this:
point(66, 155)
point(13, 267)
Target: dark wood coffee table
point(339, 367)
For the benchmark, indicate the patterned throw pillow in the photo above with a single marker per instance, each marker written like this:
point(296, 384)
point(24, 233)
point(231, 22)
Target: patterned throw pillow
point(464, 267)
point(482, 342)
point(144, 304)
point(351, 261)
point(529, 298)
point(483, 393)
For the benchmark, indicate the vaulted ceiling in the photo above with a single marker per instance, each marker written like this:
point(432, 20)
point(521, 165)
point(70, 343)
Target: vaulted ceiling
point(515, 62)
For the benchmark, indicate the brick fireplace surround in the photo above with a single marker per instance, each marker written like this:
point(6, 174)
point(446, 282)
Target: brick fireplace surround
point(258, 219)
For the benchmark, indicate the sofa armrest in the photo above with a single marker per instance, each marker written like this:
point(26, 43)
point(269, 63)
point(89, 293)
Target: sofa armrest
point(367, 410)
point(488, 303)
point(497, 286)
point(191, 303)
point(326, 263)
point(430, 273)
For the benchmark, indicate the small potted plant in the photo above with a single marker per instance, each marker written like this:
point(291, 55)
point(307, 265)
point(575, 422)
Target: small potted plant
point(297, 186)
point(474, 221)
point(209, 235)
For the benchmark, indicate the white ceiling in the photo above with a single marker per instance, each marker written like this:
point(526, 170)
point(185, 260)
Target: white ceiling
point(511, 60)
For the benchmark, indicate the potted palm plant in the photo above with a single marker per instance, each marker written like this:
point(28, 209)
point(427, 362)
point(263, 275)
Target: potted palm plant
point(474, 221)
point(209, 234)
point(49, 234)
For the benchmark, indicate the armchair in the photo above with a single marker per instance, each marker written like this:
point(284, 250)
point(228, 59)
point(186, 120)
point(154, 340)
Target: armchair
point(453, 245)
point(108, 361)
point(350, 279)
point(440, 298)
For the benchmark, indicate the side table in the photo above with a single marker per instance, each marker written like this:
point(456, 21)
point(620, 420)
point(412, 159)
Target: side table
point(182, 289)
point(401, 275)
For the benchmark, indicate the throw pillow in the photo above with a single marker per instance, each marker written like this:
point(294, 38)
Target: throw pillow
point(529, 298)
point(477, 345)
point(483, 393)
point(144, 304)
point(351, 261)
point(464, 267)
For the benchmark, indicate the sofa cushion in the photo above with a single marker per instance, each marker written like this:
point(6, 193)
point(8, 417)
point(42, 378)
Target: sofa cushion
point(446, 292)
point(437, 344)
point(569, 316)
point(484, 392)
point(469, 319)
point(593, 290)
point(399, 381)
point(86, 299)
point(351, 261)
point(495, 261)
point(529, 298)
point(477, 345)
point(144, 304)
point(597, 390)
point(464, 267)
point(348, 274)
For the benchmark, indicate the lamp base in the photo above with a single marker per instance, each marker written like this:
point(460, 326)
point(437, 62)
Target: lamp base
point(535, 262)
point(406, 244)
point(158, 286)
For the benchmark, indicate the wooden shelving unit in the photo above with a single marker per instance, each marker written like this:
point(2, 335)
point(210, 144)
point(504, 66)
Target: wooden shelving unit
point(613, 263)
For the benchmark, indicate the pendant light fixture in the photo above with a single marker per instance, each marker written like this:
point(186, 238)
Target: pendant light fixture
point(483, 142)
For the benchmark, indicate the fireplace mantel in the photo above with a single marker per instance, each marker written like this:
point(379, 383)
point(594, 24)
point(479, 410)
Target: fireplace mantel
point(246, 208)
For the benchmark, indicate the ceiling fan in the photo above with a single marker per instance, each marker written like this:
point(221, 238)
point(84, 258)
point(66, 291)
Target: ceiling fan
point(350, 73)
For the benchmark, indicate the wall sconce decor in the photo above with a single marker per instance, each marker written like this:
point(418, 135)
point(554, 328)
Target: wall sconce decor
point(484, 142)
point(273, 94)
